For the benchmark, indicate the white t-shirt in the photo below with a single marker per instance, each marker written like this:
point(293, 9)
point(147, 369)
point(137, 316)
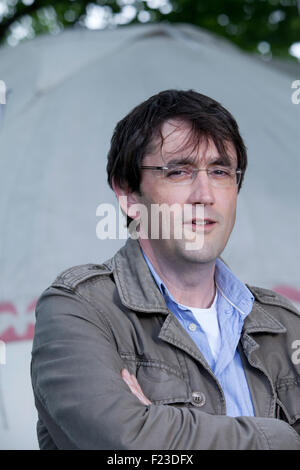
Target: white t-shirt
point(208, 320)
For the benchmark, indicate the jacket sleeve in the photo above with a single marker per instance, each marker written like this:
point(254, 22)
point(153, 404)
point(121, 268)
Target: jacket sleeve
point(84, 403)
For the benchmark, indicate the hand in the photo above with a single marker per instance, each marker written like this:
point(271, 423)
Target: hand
point(134, 386)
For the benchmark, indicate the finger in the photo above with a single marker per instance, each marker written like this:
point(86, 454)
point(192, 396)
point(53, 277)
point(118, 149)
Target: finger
point(134, 386)
point(136, 392)
point(139, 390)
point(142, 398)
point(125, 375)
point(127, 379)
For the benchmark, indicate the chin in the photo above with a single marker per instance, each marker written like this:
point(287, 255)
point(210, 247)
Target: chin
point(202, 255)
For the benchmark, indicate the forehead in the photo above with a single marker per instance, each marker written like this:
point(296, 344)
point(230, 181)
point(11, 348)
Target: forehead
point(177, 139)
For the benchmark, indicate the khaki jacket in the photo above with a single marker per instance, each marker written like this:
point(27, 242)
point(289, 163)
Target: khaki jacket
point(95, 320)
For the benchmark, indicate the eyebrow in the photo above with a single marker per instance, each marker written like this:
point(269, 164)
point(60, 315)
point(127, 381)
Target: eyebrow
point(222, 160)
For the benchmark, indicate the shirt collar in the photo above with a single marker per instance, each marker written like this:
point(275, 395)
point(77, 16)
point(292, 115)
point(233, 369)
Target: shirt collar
point(234, 291)
point(162, 287)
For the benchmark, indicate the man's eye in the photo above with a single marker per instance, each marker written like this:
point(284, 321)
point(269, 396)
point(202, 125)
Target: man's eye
point(177, 172)
point(220, 172)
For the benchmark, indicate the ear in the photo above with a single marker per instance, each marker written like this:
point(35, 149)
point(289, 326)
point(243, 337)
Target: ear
point(125, 196)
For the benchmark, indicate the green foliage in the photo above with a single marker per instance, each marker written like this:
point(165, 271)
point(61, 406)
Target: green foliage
point(247, 23)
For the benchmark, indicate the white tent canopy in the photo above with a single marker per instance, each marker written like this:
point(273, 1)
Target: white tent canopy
point(65, 95)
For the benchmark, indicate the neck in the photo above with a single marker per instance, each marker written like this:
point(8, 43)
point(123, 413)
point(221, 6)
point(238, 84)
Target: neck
point(193, 287)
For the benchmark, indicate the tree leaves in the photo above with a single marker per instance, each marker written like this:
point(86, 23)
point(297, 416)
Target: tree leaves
point(245, 22)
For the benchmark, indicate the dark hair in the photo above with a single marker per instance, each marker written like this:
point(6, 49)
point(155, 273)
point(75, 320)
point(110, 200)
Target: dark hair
point(134, 134)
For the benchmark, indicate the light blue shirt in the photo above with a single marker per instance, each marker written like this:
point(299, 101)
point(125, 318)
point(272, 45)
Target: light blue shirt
point(234, 303)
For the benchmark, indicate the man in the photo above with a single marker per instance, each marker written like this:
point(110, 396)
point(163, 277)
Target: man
point(162, 346)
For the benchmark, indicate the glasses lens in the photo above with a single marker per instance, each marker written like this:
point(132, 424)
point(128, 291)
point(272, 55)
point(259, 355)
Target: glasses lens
point(220, 177)
point(178, 174)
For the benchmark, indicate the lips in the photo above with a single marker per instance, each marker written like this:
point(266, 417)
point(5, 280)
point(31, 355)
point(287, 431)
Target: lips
point(203, 222)
point(205, 225)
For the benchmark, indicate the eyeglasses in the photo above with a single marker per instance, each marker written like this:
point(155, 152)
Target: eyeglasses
point(219, 176)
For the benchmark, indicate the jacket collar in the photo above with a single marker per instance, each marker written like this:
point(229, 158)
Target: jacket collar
point(138, 290)
point(260, 320)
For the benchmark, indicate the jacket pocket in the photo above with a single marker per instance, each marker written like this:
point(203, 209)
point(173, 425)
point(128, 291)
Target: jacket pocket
point(288, 401)
point(160, 382)
point(162, 385)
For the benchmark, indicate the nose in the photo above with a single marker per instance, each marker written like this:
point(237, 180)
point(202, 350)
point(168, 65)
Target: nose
point(202, 191)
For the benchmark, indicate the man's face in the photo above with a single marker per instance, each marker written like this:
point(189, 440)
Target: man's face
point(218, 204)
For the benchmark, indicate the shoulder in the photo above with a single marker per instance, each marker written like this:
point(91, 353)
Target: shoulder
point(74, 276)
point(272, 298)
point(75, 293)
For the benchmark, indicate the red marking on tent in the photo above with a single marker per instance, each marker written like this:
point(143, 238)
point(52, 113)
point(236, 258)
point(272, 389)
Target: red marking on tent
point(8, 307)
point(31, 306)
point(290, 292)
point(10, 334)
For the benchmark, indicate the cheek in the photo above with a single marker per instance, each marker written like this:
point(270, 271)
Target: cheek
point(231, 214)
point(227, 208)
point(163, 195)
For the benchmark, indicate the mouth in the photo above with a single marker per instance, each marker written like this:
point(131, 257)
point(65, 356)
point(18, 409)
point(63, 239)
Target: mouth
point(202, 224)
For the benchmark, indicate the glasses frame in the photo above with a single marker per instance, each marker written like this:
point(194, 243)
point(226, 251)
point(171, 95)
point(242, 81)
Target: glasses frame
point(238, 172)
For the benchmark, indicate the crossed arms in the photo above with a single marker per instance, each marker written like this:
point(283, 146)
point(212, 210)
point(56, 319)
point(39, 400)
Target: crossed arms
point(86, 400)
